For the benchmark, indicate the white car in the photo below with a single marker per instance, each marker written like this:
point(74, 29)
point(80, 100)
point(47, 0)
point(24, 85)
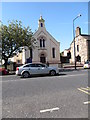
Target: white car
point(36, 69)
point(87, 64)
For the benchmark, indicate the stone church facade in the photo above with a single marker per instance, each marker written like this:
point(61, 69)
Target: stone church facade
point(82, 47)
point(47, 50)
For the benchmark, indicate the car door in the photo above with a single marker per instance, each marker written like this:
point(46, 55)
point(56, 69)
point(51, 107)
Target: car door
point(42, 69)
point(33, 69)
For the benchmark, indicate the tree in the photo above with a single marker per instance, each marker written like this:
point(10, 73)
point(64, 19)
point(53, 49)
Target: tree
point(14, 36)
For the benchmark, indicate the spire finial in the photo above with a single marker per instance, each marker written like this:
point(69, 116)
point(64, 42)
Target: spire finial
point(40, 16)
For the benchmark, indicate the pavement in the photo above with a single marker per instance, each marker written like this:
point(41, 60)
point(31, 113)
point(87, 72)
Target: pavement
point(70, 69)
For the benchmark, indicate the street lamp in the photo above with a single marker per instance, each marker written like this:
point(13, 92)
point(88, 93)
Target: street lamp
point(74, 39)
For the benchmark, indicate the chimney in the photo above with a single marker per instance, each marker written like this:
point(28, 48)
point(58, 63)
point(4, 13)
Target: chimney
point(78, 31)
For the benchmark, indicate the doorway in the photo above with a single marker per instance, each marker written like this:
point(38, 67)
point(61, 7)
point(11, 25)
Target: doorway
point(42, 58)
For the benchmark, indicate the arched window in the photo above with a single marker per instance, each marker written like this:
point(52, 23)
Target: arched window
point(42, 43)
point(41, 24)
point(78, 58)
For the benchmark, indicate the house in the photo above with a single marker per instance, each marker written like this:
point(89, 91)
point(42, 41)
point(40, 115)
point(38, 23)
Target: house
point(65, 56)
point(47, 50)
point(82, 47)
point(17, 58)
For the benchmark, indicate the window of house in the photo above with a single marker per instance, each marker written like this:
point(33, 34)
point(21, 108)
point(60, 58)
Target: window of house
point(78, 48)
point(53, 52)
point(41, 24)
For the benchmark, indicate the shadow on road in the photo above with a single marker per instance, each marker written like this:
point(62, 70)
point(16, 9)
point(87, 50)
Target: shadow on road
point(35, 76)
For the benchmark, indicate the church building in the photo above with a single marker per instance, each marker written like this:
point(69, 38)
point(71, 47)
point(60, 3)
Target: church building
point(48, 49)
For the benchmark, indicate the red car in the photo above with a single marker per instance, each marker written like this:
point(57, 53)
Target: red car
point(3, 71)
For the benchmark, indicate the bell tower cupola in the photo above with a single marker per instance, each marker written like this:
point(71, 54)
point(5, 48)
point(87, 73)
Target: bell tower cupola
point(41, 22)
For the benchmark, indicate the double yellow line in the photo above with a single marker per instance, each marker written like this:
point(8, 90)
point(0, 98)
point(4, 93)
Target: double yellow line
point(85, 90)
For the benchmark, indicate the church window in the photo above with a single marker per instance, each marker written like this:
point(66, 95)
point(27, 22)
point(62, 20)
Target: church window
point(40, 42)
point(43, 43)
point(53, 52)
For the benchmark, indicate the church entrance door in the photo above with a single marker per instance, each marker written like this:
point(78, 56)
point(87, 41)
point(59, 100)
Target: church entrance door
point(42, 58)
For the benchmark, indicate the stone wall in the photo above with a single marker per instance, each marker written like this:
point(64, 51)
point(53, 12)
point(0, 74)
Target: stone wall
point(83, 48)
point(88, 52)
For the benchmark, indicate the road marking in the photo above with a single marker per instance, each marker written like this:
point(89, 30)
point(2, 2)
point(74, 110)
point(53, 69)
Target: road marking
point(85, 103)
point(49, 110)
point(83, 91)
point(88, 89)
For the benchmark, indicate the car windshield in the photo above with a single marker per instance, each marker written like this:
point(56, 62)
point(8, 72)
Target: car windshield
point(29, 65)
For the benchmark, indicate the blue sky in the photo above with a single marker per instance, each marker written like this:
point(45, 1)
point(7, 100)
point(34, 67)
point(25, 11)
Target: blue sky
point(58, 17)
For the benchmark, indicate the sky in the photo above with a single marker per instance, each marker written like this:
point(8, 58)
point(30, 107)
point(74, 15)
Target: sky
point(58, 17)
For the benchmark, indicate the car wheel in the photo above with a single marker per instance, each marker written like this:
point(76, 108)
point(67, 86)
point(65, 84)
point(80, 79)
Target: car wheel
point(25, 75)
point(52, 72)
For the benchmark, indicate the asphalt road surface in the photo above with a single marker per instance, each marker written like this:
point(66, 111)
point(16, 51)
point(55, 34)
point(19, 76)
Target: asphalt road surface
point(63, 96)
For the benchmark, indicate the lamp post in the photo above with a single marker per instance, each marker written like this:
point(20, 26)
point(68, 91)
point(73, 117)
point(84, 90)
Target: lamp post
point(74, 40)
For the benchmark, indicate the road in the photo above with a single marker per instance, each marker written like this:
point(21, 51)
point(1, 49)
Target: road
point(63, 96)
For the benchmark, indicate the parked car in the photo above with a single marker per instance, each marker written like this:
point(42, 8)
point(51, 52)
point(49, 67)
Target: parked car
point(87, 64)
point(36, 69)
point(3, 71)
